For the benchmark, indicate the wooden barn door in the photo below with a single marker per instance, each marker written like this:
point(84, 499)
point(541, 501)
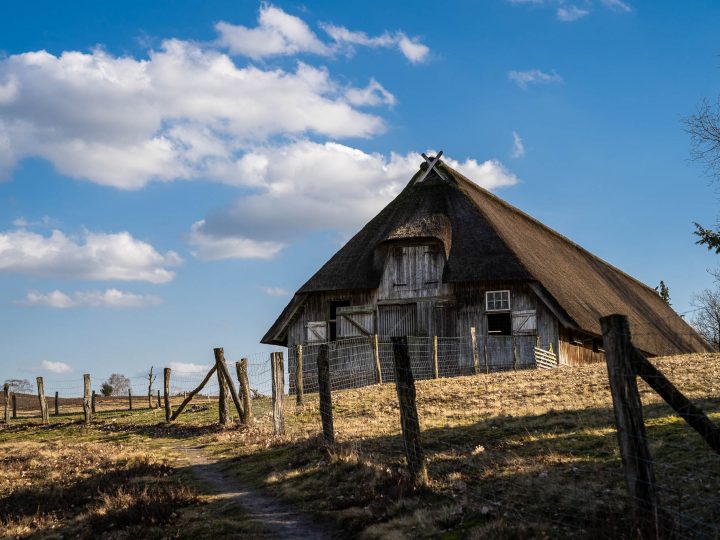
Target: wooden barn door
point(355, 321)
point(396, 320)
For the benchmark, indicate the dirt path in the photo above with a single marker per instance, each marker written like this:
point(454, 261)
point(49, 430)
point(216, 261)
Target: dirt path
point(279, 519)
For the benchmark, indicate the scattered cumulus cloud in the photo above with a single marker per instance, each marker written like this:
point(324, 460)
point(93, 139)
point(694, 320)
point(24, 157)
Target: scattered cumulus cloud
point(55, 367)
point(186, 112)
point(45, 221)
point(617, 5)
point(518, 150)
point(92, 256)
point(533, 76)
point(110, 298)
point(275, 291)
point(280, 34)
point(319, 187)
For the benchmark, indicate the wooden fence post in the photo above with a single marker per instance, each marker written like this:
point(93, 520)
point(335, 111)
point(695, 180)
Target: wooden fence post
point(223, 399)
point(166, 390)
point(475, 352)
point(436, 367)
point(229, 384)
point(57, 403)
point(130, 399)
point(242, 374)
point(299, 390)
point(43, 402)
point(485, 355)
point(87, 410)
point(159, 402)
point(14, 406)
point(278, 390)
point(405, 386)
point(637, 462)
point(513, 342)
point(6, 395)
point(92, 402)
point(325, 392)
point(375, 346)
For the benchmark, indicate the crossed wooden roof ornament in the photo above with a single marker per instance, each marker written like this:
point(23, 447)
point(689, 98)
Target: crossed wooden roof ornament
point(431, 161)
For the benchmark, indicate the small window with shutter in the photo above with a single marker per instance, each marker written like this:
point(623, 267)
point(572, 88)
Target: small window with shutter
point(400, 260)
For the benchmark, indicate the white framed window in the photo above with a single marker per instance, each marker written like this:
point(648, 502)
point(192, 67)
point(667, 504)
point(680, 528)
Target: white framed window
point(497, 300)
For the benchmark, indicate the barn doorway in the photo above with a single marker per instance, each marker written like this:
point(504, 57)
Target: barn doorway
point(332, 322)
point(397, 320)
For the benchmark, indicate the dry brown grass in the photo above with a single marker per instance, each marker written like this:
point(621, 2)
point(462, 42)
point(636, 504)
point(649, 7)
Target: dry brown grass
point(515, 454)
point(84, 489)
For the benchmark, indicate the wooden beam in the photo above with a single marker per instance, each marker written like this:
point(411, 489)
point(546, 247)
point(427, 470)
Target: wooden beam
point(475, 352)
point(405, 387)
point(222, 367)
point(431, 165)
point(299, 390)
point(166, 392)
point(436, 367)
point(637, 462)
point(278, 392)
point(241, 368)
point(692, 414)
point(375, 348)
point(192, 394)
point(325, 393)
point(87, 408)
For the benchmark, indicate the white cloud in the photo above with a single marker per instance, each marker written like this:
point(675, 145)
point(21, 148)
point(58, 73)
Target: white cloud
point(373, 94)
point(110, 298)
point(187, 368)
point(307, 186)
point(533, 76)
point(281, 34)
point(94, 256)
point(55, 367)
point(571, 13)
point(617, 5)
point(518, 150)
point(208, 247)
point(277, 33)
point(182, 113)
point(275, 291)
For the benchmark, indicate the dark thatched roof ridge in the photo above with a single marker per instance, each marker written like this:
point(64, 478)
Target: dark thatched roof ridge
point(491, 240)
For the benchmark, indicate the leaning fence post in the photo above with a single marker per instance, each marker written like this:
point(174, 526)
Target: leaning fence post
point(436, 367)
point(166, 390)
point(6, 395)
point(405, 386)
point(278, 389)
point(229, 385)
point(475, 352)
point(130, 399)
point(325, 392)
point(87, 410)
point(14, 406)
point(637, 462)
point(57, 403)
point(92, 402)
point(375, 346)
point(43, 401)
point(299, 390)
point(242, 375)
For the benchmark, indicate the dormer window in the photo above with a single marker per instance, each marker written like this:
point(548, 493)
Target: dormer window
point(497, 300)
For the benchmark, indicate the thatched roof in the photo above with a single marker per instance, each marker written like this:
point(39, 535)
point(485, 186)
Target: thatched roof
point(487, 239)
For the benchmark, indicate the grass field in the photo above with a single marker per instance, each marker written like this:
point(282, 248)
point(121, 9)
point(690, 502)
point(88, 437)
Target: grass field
point(527, 454)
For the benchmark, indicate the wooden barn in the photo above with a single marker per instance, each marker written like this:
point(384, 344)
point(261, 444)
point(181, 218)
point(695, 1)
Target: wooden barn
point(446, 256)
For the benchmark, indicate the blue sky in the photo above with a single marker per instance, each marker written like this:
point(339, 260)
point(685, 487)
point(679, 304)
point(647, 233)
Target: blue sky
point(173, 171)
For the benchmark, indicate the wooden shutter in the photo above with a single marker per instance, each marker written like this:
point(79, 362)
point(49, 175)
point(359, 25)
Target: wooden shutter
point(316, 331)
point(524, 322)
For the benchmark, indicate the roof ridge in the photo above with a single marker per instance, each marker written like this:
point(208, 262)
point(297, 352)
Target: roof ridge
point(536, 222)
